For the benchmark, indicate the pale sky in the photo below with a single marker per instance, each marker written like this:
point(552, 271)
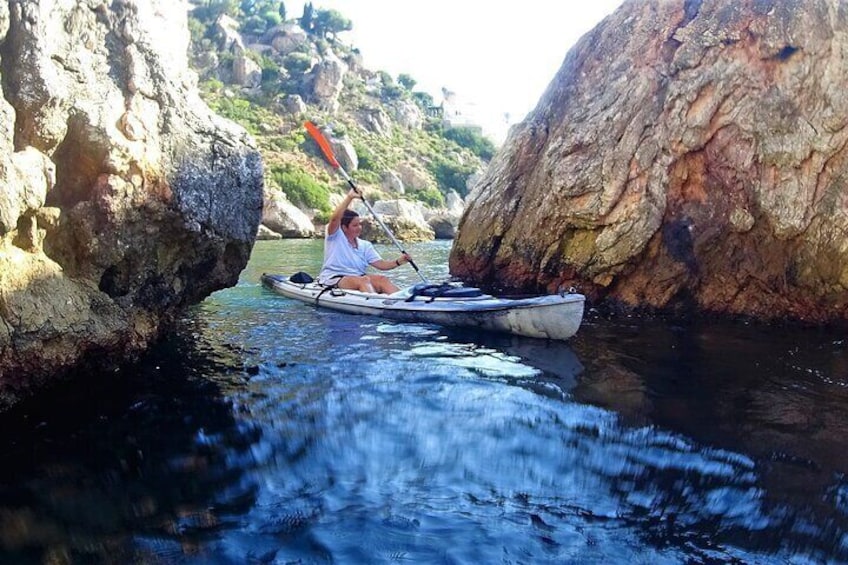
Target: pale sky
point(499, 56)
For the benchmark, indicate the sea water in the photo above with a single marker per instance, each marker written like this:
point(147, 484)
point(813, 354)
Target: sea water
point(265, 430)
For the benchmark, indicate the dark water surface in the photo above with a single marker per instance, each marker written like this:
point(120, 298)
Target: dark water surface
point(266, 431)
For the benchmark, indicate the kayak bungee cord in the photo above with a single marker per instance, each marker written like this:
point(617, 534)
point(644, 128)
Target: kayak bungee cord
point(324, 145)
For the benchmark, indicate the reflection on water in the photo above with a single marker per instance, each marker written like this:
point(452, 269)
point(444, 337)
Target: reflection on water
point(268, 431)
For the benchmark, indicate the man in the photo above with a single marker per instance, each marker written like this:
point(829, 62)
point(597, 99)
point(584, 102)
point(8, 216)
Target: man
point(346, 257)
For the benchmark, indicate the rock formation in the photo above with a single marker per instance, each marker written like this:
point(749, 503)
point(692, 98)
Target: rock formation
point(284, 218)
point(402, 217)
point(687, 154)
point(122, 198)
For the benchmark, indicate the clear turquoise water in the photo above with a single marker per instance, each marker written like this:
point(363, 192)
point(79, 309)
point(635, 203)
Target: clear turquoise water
point(266, 431)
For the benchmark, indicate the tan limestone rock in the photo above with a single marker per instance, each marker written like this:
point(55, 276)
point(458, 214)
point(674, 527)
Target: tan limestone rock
point(122, 198)
point(686, 154)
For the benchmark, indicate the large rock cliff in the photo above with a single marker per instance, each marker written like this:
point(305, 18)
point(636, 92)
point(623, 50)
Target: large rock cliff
point(688, 153)
point(123, 199)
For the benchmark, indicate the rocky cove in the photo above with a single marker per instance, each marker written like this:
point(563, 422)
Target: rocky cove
point(688, 157)
point(159, 406)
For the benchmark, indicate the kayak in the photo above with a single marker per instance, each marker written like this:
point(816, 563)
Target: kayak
point(555, 316)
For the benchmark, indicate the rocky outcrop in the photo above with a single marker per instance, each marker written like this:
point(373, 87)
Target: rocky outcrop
point(444, 225)
point(122, 198)
point(404, 230)
point(445, 222)
point(687, 154)
point(407, 114)
point(266, 234)
point(246, 71)
point(392, 183)
point(325, 82)
point(284, 218)
point(402, 217)
point(288, 38)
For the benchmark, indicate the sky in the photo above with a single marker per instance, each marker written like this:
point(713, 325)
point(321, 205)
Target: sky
point(498, 57)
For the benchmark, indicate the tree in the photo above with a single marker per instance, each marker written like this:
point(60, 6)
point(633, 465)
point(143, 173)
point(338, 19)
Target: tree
point(406, 81)
point(258, 16)
point(385, 78)
point(423, 99)
point(330, 22)
point(472, 140)
point(297, 63)
point(210, 10)
point(307, 17)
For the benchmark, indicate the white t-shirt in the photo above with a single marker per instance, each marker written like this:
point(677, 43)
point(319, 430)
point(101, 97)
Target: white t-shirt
point(341, 258)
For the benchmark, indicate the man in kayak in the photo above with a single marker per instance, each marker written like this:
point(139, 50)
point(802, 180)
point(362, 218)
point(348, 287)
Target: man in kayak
point(346, 257)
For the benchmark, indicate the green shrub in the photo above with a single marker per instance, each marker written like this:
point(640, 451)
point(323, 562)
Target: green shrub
point(424, 100)
point(301, 188)
point(472, 140)
point(254, 25)
point(392, 92)
point(297, 63)
point(365, 157)
point(272, 18)
point(406, 81)
point(288, 143)
point(212, 85)
point(322, 217)
point(370, 177)
point(240, 111)
point(385, 78)
point(197, 30)
point(211, 10)
point(430, 196)
point(451, 175)
point(270, 74)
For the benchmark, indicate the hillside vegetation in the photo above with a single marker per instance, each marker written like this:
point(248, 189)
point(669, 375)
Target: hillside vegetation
point(269, 71)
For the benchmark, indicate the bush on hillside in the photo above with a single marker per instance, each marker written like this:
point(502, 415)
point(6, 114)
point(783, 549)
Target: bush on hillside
point(406, 81)
point(451, 175)
point(297, 63)
point(424, 100)
point(429, 196)
point(211, 10)
point(472, 140)
point(258, 16)
point(392, 92)
point(301, 188)
point(289, 143)
point(238, 110)
point(365, 157)
point(327, 24)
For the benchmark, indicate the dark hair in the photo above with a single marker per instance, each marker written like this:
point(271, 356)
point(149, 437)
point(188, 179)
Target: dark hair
point(348, 216)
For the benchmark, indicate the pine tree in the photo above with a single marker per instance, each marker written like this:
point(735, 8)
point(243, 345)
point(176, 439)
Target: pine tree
point(307, 17)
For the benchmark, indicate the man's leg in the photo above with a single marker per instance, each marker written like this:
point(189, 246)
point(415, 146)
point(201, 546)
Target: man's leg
point(382, 284)
point(362, 284)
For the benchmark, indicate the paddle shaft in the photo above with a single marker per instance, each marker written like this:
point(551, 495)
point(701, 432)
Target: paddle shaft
point(328, 153)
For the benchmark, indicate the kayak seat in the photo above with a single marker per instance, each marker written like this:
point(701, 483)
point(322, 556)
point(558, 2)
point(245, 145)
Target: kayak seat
point(443, 290)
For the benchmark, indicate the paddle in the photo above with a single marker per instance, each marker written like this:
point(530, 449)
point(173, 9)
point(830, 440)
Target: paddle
point(331, 158)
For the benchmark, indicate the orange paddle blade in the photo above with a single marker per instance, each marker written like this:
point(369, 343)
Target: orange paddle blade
point(322, 143)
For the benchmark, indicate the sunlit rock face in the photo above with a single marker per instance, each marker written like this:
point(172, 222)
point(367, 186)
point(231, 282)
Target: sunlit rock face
point(122, 198)
point(686, 154)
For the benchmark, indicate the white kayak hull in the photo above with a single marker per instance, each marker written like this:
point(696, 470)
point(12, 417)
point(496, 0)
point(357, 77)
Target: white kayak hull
point(555, 316)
